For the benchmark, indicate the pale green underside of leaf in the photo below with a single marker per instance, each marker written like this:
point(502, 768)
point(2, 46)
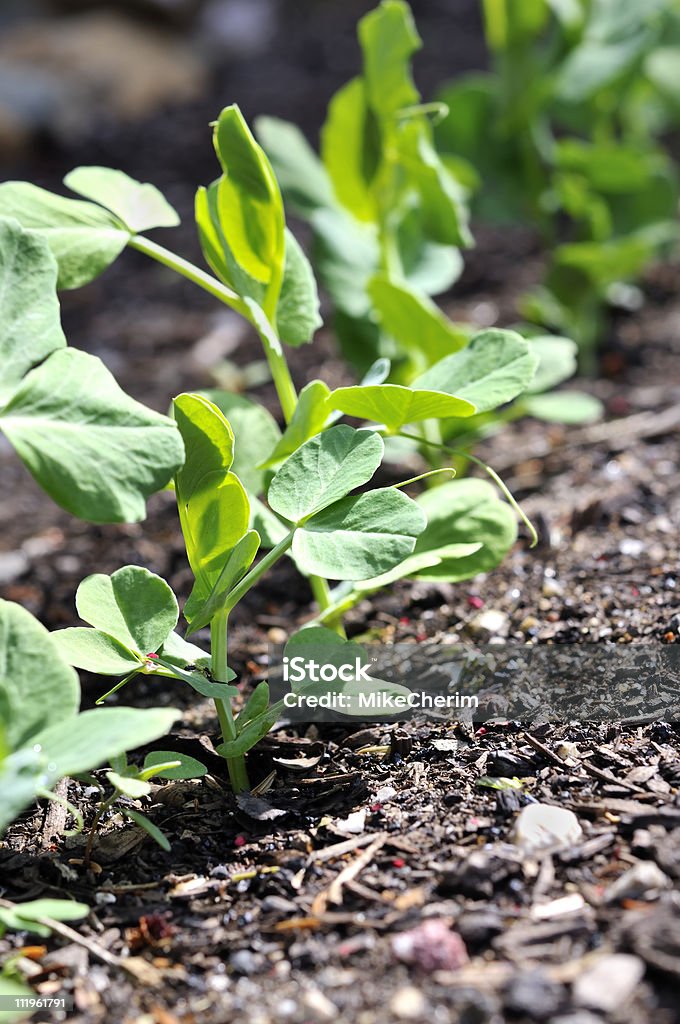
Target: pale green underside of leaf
point(83, 238)
point(95, 651)
point(565, 407)
point(133, 605)
point(495, 367)
point(413, 320)
point(465, 511)
point(139, 206)
point(30, 327)
point(309, 419)
point(37, 685)
point(97, 452)
point(359, 536)
point(323, 470)
point(396, 406)
point(94, 737)
point(556, 362)
point(256, 432)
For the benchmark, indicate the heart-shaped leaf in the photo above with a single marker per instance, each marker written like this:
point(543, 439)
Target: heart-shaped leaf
point(95, 651)
point(83, 238)
point(139, 206)
point(359, 536)
point(30, 328)
point(389, 38)
point(395, 406)
point(494, 368)
point(414, 320)
point(133, 605)
point(97, 452)
point(309, 418)
point(323, 470)
point(37, 685)
point(463, 512)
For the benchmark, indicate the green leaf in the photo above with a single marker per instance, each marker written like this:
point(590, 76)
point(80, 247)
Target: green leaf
point(349, 150)
point(22, 776)
point(270, 528)
point(388, 40)
point(139, 206)
point(178, 652)
point(97, 452)
point(249, 203)
point(148, 826)
point(556, 361)
point(465, 511)
point(203, 605)
point(92, 738)
point(494, 368)
point(323, 470)
point(134, 788)
point(413, 320)
point(565, 407)
point(133, 605)
point(297, 312)
point(359, 536)
point(346, 256)
point(301, 175)
point(29, 310)
point(37, 686)
point(661, 67)
point(188, 767)
point(309, 419)
point(255, 434)
point(395, 405)
point(212, 502)
point(443, 200)
point(199, 683)
point(26, 916)
point(217, 251)
point(251, 734)
point(256, 705)
point(95, 651)
point(83, 238)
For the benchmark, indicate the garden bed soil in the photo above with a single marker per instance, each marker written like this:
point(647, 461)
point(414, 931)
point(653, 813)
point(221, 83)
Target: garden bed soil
point(288, 909)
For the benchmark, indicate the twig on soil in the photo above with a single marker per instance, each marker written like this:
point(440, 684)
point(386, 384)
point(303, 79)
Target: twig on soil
point(334, 892)
point(55, 815)
point(591, 769)
point(339, 849)
point(137, 968)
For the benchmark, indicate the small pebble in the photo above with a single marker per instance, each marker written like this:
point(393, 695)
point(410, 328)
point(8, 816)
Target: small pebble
point(431, 946)
point(644, 881)
point(542, 826)
point(609, 983)
point(408, 1003)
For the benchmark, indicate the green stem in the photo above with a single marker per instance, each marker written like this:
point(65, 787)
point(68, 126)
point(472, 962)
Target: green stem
point(238, 775)
point(322, 595)
point(251, 578)
point(277, 361)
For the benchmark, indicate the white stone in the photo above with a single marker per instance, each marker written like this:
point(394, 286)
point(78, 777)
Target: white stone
point(609, 983)
point(543, 826)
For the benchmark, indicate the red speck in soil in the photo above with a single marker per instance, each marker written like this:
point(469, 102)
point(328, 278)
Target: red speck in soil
point(240, 841)
point(398, 862)
point(475, 602)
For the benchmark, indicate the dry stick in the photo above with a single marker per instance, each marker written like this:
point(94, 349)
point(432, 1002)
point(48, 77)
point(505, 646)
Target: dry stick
point(55, 815)
point(597, 773)
point(135, 967)
point(334, 892)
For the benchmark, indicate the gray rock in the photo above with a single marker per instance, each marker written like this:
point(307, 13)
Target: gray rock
point(534, 994)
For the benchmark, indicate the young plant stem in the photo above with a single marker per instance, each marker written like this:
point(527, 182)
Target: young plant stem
point(238, 775)
point(322, 595)
point(283, 383)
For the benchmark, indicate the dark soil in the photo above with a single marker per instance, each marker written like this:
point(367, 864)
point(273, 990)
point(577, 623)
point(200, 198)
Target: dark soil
point(248, 917)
